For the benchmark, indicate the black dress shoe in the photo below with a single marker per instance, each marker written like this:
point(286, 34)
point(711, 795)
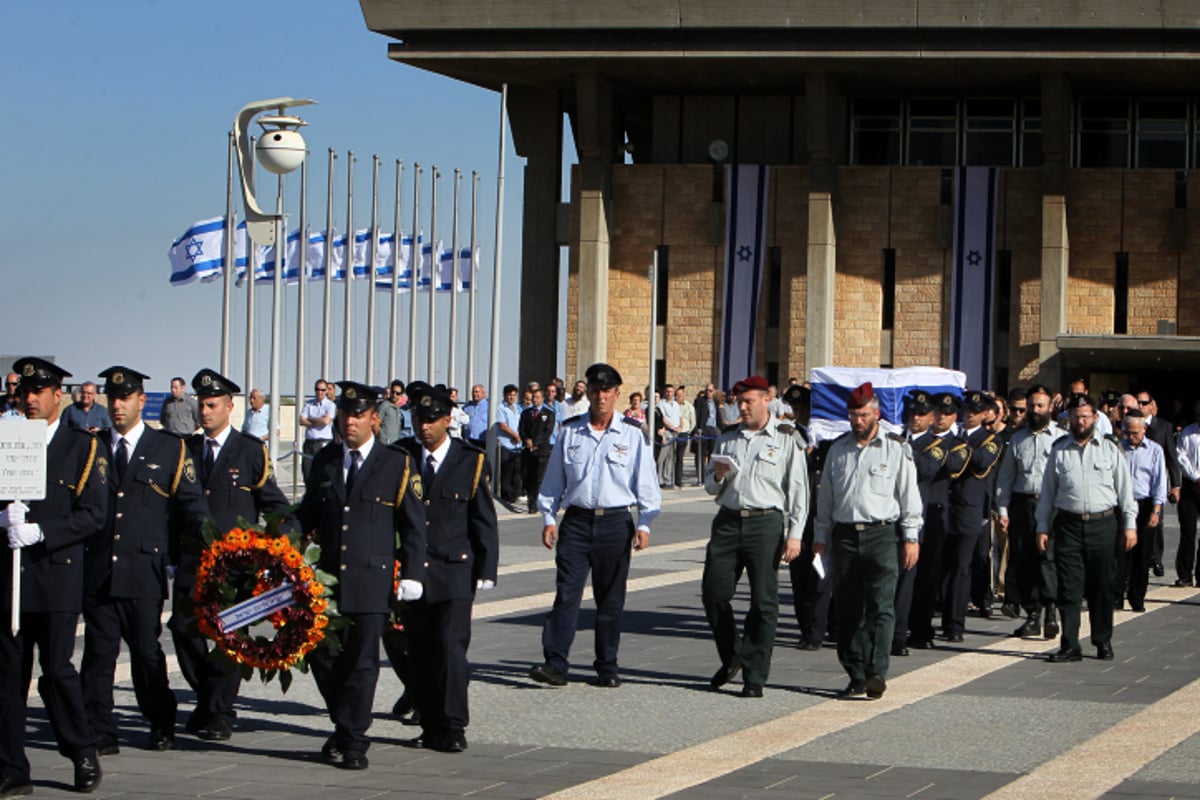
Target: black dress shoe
point(403, 706)
point(724, 675)
point(920, 643)
point(12, 787)
point(1182, 584)
point(218, 729)
point(1050, 628)
point(811, 647)
point(87, 774)
point(544, 673)
point(161, 740)
point(423, 742)
point(875, 687)
point(1104, 652)
point(1032, 628)
point(331, 751)
point(1158, 569)
point(354, 759)
point(1066, 654)
point(751, 690)
point(954, 638)
point(608, 681)
point(106, 746)
point(985, 611)
point(1010, 610)
point(450, 742)
point(1137, 607)
point(1118, 605)
point(195, 722)
point(854, 689)
point(899, 650)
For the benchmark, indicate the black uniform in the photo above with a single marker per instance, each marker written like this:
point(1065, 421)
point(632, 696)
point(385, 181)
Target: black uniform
point(462, 547)
point(811, 593)
point(51, 599)
point(537, 425)
point(971, 496)
point(239, 485)
point(358, 530)
point(938, 459)
point(153, 502)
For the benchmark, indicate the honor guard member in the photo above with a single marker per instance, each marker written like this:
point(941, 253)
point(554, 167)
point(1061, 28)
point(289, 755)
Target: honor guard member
point(868, 516)
point(918, 419)
point(759, 476)
point(235, 471)
point(971, 497)
point(47, 536)
point(938, 457)
point(599, 468)
point(362, 503)
point(462, 548)
point(1018, 490)
point(155, 499)
point(1087, 492)
point(811, 590)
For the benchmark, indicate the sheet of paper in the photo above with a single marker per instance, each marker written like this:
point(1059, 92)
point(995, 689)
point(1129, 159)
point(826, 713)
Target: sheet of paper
point(819, 566)
point(729, 461)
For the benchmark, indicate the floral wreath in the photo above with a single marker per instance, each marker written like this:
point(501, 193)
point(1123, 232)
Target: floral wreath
point(246, 563)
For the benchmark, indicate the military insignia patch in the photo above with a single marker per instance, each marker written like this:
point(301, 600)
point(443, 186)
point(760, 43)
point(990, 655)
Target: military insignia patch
point(417, 489)
point(189, 470)
point(206, 380)
point(28, 371)
point(992, 447)
point(102, 471)
point(118, 378)
point(426, 401)
point(351, 394)
point(937, 453)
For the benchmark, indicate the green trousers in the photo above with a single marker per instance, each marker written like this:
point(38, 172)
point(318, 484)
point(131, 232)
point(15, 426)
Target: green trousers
point(865, 567)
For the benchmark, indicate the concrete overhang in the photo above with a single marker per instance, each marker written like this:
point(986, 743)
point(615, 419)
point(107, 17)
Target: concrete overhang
point(1130, 353)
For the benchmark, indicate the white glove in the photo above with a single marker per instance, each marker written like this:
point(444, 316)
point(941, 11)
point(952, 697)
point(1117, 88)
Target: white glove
point(411, 590)
point(24, 534)
point(14, 514)
point(484, 584)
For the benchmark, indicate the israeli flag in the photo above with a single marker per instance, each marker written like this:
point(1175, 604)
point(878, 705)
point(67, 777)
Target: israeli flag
point(973, 280)
point(339, 258)
point(248, 251)
point(468, 262)
point(425, 268)
point(362, 247)
point(745, 260)
point(384, 272)
point(291, 261)
point(199, 254)
point(831, 388)
point(383, 256)
point(316, 256)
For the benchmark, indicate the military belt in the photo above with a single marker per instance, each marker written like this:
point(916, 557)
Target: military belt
point(597, 512)
point(1087, 516)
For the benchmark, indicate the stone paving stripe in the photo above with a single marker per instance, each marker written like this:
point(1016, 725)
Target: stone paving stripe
point(714, 758)
point(517, 605)
point(1101, 763)
point(653, 550)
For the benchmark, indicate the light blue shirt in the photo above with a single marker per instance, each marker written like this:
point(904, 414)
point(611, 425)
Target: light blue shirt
point(478, 412)
point(1087, 478)
point(510, 416)
point(258, 423)
point(1148, 465)
point(601, 469)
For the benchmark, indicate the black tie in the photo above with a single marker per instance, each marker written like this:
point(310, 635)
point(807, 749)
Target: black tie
point(353, 471)
point(430, 462)
point(122, 459)
point(210, 457)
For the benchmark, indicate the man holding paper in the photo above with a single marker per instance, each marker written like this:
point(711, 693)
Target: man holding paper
point(47, 536)
point(759, 476)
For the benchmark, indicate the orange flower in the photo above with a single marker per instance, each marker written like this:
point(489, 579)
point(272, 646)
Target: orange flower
point(277, 546)
point(316, 589)
point(320, 621)
point(319, 605)
point(292, 558)
point(306, 574)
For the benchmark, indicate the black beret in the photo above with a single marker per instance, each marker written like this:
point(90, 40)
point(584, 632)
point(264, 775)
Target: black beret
point(38, 373)
point(210, 383)
point(602, 375)
point(122, 381)
point(356, 397)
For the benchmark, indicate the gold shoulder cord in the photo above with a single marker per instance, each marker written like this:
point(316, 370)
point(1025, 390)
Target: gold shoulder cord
point(989, 440)
point(966, 461)
point(179, 467)
point(266, 473)
point(478, 472)
point(403, 484)
point(87, 469)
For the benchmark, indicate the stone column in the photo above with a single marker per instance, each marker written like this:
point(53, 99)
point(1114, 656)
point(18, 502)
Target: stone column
point(1056, 250)
point(822, 277)
point(594, 140)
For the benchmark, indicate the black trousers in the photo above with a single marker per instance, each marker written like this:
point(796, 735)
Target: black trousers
point(927, 589)
point(533, 470)
point(347, 679)
point(510, 475)
point(906, 584)
point(681, 448)
point(1086, 556)
point(1032, 583)
point(981, 567)
point(1133, 566)
point(136, 621)
point(53, 634)
point(215, 683)
point(1186, 567)
point(957, 554)
point(602, 545)
point(439, 635)
point(810, 594)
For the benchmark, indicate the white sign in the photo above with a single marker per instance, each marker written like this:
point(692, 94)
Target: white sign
point(22, 459)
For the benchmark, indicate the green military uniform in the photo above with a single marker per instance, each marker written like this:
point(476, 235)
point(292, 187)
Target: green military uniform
point(767, 495)
point(867, 498)
point(1086, 491)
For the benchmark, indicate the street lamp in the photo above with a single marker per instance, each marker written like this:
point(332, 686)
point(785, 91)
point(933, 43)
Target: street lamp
point(280, 150)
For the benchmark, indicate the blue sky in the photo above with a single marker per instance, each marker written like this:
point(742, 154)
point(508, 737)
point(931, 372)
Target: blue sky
point(115, 142)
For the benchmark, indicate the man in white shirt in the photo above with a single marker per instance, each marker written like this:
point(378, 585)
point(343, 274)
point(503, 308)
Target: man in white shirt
point(577, 403)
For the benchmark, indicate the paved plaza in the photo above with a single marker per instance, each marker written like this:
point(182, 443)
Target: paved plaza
point(987, 718)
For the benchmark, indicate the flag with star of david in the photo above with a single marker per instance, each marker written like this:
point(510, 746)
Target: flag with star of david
point(973, 278)
point(745, 259)
point(199, 254)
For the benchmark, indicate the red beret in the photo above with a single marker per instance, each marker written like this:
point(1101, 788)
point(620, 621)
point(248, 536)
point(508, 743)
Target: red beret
point(860, 396)
point(753, 382)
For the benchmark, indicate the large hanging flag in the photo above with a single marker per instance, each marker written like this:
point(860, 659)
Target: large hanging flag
point(425, 268)
point(745, 258)
point(973, 281)
point(383, 274)
point(383, 255)
point(316, 257)
point(199, 254)
point(831, 388)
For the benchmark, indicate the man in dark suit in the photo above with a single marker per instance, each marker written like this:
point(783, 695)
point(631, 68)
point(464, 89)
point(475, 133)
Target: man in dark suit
point(1162, 433)
point(536, 427)
point(360, 499)
point(235, 471)
point(47, 536)
point(155, 497)
point(708, 426)
point(462, 547)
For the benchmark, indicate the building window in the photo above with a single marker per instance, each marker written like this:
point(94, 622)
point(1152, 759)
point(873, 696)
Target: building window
point(889, 289)
point(1104, 133)
point(1162, 134)
point(876, 131)
point(933, 132)
point(990, 133)
point(1031, 133)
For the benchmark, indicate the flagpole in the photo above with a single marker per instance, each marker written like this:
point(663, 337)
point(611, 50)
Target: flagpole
point(373, 252)
point(471, 380)
point(251, 258)
point(435, 267)
point(415, 258)
point(302, 258)
point(494, 346)
point(348, 262)
point(230, 234)
point(453, 361)
point(653, 339)
point(397, 244)
point(328, 276)
point(276, 321)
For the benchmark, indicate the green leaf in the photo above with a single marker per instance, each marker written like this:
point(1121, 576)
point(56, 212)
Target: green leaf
point(337, 623)
point(210, 531)
point(285, 680)
point(268, 675)
point(313, 554)
point(324, 577)
point(247, 671)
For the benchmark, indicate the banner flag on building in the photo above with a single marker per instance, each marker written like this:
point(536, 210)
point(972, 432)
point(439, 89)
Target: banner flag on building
point(973, 279)
point(831, 388)
point(199, 254)
point(745, 257)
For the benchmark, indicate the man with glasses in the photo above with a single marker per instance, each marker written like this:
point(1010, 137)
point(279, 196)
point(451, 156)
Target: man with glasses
point(1162, 433)
point(85, 415)
point(317, 420)
point(10, 404)
point(1018, 408)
